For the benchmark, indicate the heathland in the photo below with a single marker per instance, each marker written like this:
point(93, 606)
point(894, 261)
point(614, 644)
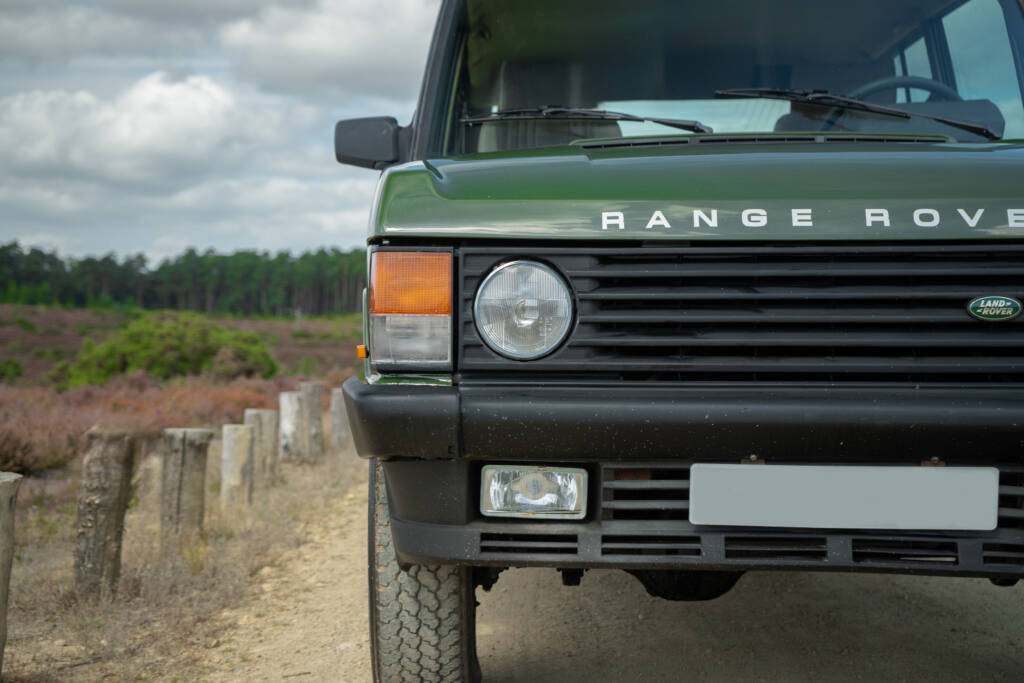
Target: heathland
point(64, 370)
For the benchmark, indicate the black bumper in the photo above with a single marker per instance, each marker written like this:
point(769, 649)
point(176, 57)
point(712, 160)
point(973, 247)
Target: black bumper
point(603, 422)
point(435, 440)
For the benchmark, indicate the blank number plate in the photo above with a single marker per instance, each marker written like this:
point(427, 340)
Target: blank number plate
point(845, 497)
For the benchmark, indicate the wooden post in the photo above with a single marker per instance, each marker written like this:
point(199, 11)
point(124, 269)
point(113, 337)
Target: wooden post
point(183, 485)
point(236, 466)
point(264, 427)
point(9, 483)
point(341, 438)
point(147, 468)
point(312, 402)
point(294, 430)
point(102, 502)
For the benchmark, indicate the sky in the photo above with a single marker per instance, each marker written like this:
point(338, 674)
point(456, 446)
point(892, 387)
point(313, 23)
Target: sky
point(151, 126)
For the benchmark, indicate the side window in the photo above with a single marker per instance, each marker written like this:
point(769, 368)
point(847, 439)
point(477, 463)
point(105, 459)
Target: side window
point(983, 65)
point(913, 61)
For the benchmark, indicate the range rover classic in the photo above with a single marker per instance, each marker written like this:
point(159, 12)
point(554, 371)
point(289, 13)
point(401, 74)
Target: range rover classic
point(690, 290)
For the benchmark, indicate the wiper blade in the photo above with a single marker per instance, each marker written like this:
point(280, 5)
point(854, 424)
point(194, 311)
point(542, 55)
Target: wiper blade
point(582, 114)
point(827, 99)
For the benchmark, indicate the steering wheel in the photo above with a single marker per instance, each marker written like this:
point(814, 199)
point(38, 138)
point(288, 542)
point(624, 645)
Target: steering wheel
point(940, 91)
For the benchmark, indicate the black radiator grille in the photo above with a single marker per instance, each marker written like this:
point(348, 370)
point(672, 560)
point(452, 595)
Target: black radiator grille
point(869, 313)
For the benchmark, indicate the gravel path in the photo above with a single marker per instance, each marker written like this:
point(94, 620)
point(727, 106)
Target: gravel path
point(307, 622)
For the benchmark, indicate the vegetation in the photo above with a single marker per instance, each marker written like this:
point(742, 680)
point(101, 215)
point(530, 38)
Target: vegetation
point(10, 370)
point(168, 615)
point(242, 283)
point(166, 345)
point(41, 428)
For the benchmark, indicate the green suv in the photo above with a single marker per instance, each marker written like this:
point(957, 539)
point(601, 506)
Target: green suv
point(689, 290)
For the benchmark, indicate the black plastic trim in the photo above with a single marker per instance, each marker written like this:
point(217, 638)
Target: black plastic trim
point(420, 543)
point(588, 422)
point(679, 422)
point(391, 421)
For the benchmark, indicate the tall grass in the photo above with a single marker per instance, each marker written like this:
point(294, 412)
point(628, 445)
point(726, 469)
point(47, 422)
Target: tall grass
point(41, 428)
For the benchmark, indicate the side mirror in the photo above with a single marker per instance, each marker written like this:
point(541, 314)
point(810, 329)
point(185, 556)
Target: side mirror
point(370, 143)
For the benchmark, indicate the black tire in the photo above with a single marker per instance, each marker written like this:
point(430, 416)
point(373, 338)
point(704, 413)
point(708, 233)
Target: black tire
point(422, 618)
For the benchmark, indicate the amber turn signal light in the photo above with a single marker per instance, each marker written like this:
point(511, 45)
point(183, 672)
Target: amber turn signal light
point(361, 351)
point(411, 283)
point(410, 311)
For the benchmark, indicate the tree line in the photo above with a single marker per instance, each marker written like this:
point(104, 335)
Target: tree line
point(241, 283)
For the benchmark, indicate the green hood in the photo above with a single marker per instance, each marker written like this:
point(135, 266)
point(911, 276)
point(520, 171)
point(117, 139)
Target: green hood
point(776, 190)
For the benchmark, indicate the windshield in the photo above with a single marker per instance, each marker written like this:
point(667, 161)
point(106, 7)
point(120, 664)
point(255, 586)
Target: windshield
point(664, 59)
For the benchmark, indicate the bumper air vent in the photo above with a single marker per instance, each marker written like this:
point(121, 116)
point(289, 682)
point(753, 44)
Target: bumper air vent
point(651, 545)
point(1003, 553)
point(794, 548)
point(514, 544)
point(653, 491)
point(1011, 497)
point(902, 551)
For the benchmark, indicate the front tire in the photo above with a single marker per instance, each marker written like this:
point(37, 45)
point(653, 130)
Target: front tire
point(422, 618)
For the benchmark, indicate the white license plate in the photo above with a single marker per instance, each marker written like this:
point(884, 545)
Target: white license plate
point(845, 497)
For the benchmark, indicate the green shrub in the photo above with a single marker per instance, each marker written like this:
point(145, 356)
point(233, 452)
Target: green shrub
point(10, 370)
point(25, 324)
point(166, 345)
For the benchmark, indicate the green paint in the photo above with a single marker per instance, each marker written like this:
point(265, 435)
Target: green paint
point(561, 193)
point(995, 308)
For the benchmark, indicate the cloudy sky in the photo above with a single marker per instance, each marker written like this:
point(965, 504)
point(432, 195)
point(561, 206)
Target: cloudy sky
point(154, 125)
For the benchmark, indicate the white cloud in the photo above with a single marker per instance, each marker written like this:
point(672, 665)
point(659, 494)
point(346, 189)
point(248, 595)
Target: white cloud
point(50, 242)
point(158, 130)
point(196, 11)
point(133, 125)
point(341, 47)
point(38, 197)
point(47, 32)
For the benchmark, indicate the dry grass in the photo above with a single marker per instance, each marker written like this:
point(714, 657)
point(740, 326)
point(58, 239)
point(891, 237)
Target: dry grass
point(166, 606)
point(41, 428)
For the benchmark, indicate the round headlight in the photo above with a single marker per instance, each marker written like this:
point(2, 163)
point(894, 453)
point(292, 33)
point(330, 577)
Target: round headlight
point(523, 310)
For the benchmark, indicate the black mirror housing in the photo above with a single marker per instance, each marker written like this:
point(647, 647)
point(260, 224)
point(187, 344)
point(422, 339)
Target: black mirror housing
point(369, 143)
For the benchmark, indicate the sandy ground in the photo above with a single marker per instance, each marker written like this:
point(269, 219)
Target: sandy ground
point(306, 621)
point(306, 617)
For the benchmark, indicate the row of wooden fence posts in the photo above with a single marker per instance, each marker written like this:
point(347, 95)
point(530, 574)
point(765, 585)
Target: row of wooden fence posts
point(9, 483)
point(250, 453)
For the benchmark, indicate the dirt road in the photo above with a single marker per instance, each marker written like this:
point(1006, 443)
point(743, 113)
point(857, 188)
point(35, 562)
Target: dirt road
point(306, 621)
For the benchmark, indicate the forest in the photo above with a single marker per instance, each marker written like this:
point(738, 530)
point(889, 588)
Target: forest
point(242, 283)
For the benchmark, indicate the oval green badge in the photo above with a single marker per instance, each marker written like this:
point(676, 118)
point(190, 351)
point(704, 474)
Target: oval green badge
point(995, 308)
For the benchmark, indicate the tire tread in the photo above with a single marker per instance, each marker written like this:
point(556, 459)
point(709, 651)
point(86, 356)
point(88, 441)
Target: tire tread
point(418, 617)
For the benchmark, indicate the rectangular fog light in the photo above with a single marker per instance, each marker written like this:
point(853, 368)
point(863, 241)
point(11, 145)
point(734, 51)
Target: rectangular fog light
point(533, 492)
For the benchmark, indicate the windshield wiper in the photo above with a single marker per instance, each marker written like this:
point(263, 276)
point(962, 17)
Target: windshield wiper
point(827, 99)
point(582, 114)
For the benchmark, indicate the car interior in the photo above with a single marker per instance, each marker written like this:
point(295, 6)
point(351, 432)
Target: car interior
point(956, 59)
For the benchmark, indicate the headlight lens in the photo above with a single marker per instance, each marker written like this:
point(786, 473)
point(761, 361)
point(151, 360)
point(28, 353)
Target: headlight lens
point(533, 492)
point(523, 310)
